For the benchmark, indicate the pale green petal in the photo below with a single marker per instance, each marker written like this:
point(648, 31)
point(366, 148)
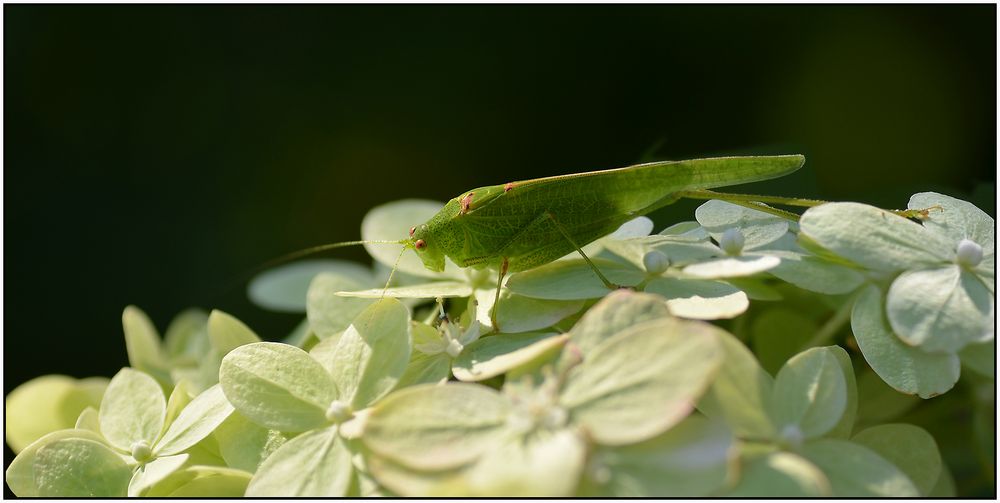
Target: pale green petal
point(642, 381)
point(426, 339)
point(227, 333)
point(424, 368)
point(328, 312)
point(758, 228)
point(392, 221)
point(956, 219)
point(437, 427)
point(910, 448)
point(133, 409)
point(186, 336)
point(316, 463)
point(142, 342)
point(195, 422)
point(572, 279)
point(619, 310)
point(518, 313)
point(740, 392)
point(372, 353)
point(845, 426)
point(780, 475)
point(80, 468)
point(810, 395)
point(202, 481)
point(277, 386)
point(284, 288)
point(491, 356)
point(939, 310)
point(20, 475)
point(732, 267)
point(409, 482)
point(88, 420)
point(153, 472)
point(907, 369)
point(700, 299)
point(179, 398)
point(445, 289)
point(543, 465)
point(301, 335)
point(691, 459)
point(856, 471)
point(244, 444)
point(874, 238)
point(814, 274)
point(46, 404)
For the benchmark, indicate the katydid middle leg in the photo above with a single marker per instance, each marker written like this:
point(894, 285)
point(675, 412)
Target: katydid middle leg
point(759, 203)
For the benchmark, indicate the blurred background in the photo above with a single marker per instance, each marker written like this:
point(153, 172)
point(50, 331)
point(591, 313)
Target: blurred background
point(154, 153)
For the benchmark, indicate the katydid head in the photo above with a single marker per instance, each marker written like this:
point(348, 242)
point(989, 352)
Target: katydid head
point(424, 244)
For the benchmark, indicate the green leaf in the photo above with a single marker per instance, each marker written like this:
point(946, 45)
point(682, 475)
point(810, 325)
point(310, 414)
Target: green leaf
point(956, 219)
point(519, 314)
point(151, 473)
point(46, 404)
point(689, 460)
point(133, 409)
point(491, 356)
point(778, 334)
point(443, 289)
point(284, 288)
point(874, 238)
point(243, 444)
point(758, 228)
point(372, 353)
point(316, 463)
point(939, 310)
point(740, 392)
point(78, 467)
point(980, 357)
point(910, 448)
point(143, 344)
point(907, 369)
point(437, 427)
point(227, 333)
point(572, 279)
point(700, 299)
point(642, 381)
point(619, 310)
point(328, 312)
point(20, 475)
point(545, 464)
point(196, 421)
point(810, 395)
point(277, 386)
point(732, 267)
point(780, 475)
point(856, 471)
point(392, 221)
point(186, 336)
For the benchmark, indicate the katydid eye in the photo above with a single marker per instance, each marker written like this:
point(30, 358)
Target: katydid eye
point(420, 244)
point(412, 230)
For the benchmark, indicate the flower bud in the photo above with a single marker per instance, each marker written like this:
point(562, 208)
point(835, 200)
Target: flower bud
point(655, 262)
point(141, 451)
point(968, 253)
point(338, 412)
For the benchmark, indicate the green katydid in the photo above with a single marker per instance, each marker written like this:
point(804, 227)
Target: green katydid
point(521, 225)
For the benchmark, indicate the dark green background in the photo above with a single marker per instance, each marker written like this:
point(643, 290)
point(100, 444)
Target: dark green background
point(152, 153)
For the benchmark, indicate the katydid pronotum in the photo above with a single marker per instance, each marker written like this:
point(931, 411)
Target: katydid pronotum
point(521, 225)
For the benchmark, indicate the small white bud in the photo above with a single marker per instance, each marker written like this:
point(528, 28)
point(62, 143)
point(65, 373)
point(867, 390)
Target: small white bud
point(968, 253)
point(792, 434)
point(141, 451)
point(338, 412)
point(655, 262)
point(454, 348)
point(732, 241)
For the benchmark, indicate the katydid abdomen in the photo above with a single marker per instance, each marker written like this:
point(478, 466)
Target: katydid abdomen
point(530, 223)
